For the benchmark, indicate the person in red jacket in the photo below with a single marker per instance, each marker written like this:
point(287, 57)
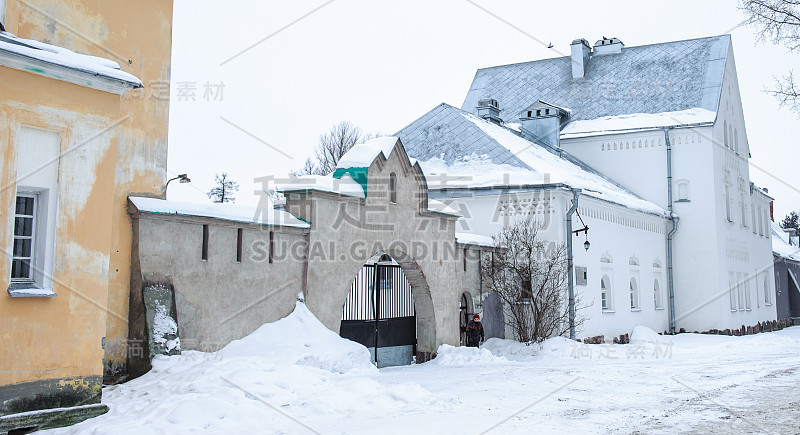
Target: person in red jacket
point(475, 331)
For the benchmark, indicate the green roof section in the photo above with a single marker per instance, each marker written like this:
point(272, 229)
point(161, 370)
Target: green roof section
point(359, 175)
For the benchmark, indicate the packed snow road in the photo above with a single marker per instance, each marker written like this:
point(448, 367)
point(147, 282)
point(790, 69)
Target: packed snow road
point(295, 376)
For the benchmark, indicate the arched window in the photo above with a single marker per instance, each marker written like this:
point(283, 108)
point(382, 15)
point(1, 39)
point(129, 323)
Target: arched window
point(657, 294)
point(634, 289)
point(725, 132)
point(605, 294)
point(393, 188)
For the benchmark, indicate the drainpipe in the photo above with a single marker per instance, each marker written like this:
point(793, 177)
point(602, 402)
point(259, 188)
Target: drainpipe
point(674, 219)
point(570, 283)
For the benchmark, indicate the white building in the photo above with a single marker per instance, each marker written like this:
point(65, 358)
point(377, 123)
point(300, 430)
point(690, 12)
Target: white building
point(655, 138)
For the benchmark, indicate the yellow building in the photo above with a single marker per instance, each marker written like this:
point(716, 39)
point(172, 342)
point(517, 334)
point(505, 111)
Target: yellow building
point(78, 134)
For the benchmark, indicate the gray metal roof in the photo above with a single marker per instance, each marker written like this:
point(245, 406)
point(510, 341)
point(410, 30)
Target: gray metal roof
point(655, 78)
point(445, 133)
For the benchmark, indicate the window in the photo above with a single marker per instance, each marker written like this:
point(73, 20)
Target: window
point(743, 206)
point(634, 290)
point(728, 200)
point(766, 223)
point(3, 12)
point(606, 301)
point(760, 222)
point(24, 232)
point(746, 289)
point(767, 290)
point(239, 237)
point(725, 132)
point(204, 254)
point(657, 294)
point(740, 291)
point(465, 259)
point(736, 140)
point(393, 188)
point(732, 290)
point(753, 219)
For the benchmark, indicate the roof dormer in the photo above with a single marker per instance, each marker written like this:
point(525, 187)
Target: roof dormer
point(607, 46)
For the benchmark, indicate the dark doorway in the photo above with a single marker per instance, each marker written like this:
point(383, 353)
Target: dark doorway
point(379, 313)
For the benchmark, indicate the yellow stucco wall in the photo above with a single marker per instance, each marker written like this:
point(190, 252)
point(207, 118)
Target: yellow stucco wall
point(137, 34)
point(60, 337)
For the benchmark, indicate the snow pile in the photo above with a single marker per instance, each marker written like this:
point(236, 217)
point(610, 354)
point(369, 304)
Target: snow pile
point(227, 211)
point(301, 339)
point(637, 121)
point(556, 347)
point(362, 155)
point(436, 205)
point(276, 380)
point(643, 334)
point(63, 57)
point(452, 356)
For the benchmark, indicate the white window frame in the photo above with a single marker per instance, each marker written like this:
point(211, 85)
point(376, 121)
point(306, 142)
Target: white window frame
point(732, 290)
point(608, 292)
point(767, 292)
point(740, 291)
point(657, 297)
point(34, 227)
point(633, 286)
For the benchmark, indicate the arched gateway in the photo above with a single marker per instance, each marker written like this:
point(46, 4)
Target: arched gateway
point(377, 203)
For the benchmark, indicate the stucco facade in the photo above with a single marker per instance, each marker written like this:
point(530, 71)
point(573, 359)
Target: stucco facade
point(93, 148)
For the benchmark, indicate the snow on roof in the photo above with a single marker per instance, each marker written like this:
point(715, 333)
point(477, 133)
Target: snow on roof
point(780, 244)
point(345, 185)
point(637, 121)
point(226, 211)
point(657, 78)
point(439, 206)
point(60, 56)
point(458, 149)
point(549, 167)
point(362, 155)
point(474, 239)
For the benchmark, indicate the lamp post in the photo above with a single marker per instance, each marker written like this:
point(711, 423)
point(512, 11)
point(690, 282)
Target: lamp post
point(182, 177)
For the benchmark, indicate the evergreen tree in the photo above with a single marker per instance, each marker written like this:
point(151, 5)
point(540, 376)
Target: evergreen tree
point(791, 221)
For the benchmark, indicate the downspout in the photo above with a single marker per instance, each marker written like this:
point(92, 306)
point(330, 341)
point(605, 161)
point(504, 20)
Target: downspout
point(570, 283)
point(674, 219)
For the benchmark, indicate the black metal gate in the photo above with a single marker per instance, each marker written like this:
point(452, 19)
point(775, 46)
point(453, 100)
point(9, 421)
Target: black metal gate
point(379, 313)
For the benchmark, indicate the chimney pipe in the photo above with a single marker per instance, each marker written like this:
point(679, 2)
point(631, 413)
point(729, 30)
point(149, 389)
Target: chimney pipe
point(580, 57)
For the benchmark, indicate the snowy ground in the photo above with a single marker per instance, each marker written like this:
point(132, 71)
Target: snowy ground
point(295, 376)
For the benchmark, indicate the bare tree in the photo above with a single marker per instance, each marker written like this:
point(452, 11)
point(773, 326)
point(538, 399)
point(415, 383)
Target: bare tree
point(530, 275)
point(224, 190)
point(331, 147)
point(778, 21)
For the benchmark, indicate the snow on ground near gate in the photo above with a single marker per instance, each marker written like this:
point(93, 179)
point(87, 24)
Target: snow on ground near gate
point(295, 376)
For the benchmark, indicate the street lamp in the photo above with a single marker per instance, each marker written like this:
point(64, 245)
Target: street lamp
point(182, 177)
point(584, 230)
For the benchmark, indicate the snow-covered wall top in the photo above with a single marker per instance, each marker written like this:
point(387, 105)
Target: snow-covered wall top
point(657, 78)
point(60, 56)
point(345, 185)
point(226, 211)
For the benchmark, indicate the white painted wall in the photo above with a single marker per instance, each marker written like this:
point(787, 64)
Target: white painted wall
point(614, 231)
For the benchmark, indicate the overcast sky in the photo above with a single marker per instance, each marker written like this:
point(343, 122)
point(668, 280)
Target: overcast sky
point(281, 73)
